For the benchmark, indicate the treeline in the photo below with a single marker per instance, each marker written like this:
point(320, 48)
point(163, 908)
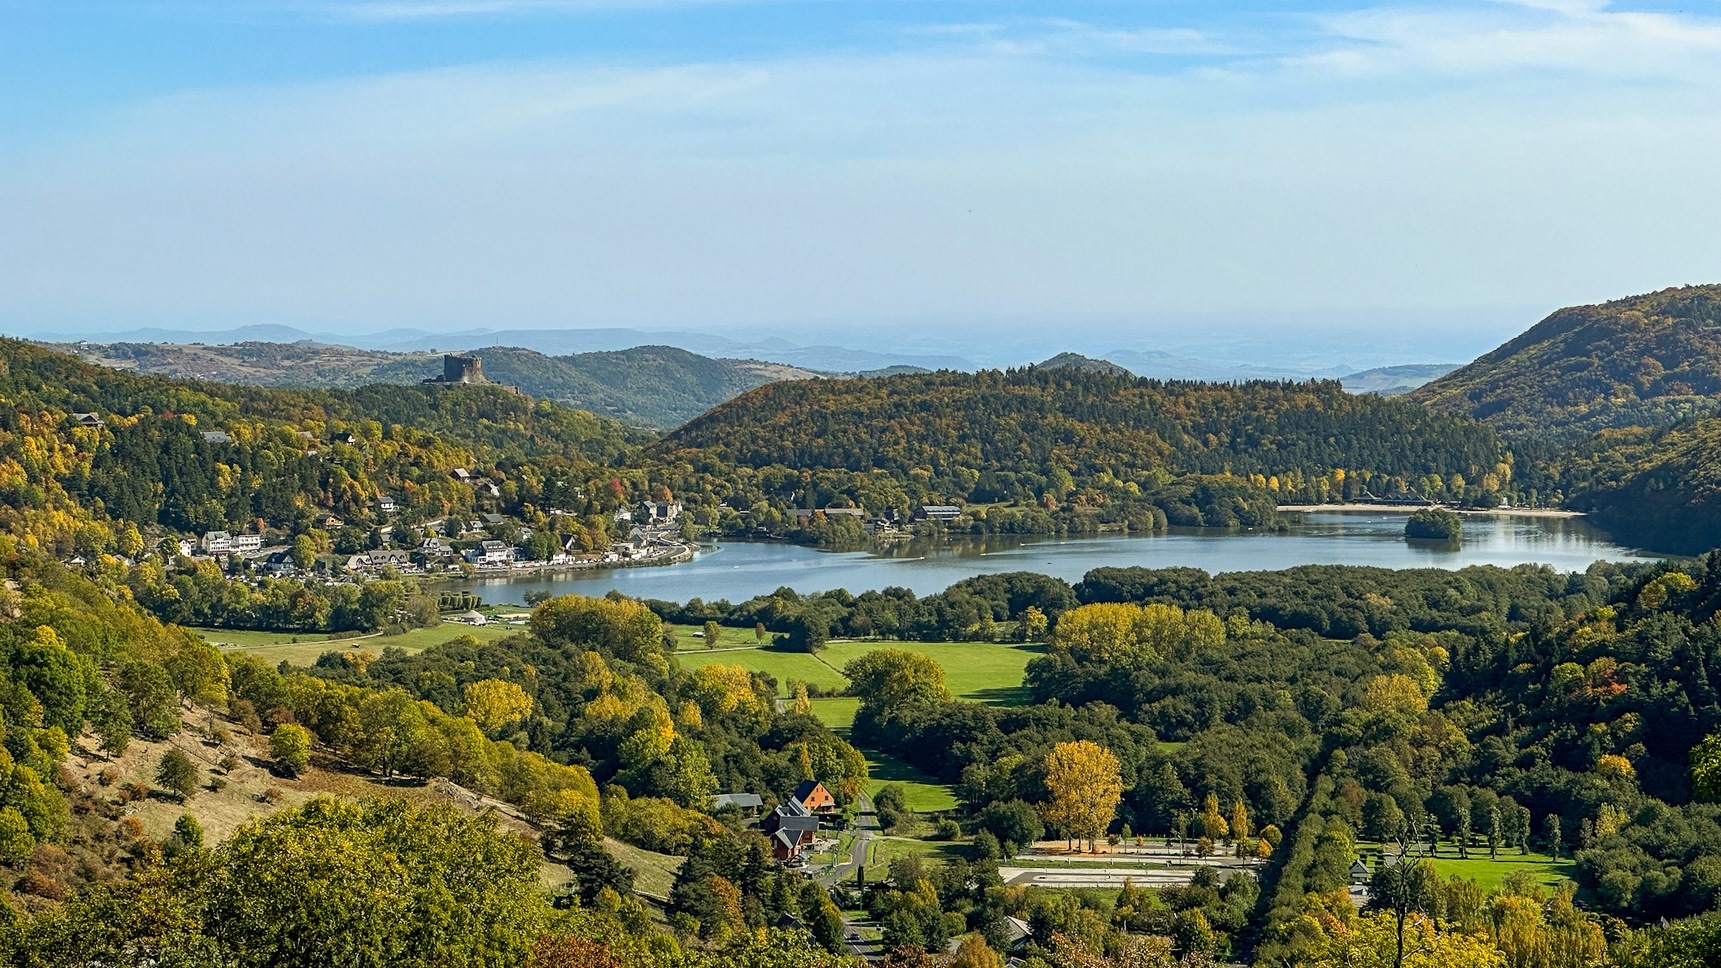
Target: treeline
point(201, 595)
point(1331, 601)
point(1057, 437)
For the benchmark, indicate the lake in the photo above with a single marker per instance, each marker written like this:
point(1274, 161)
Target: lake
point(740, 570)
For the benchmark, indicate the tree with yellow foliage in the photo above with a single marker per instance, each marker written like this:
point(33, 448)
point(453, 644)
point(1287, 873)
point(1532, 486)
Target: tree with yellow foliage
point(1086, 786)
point(1213, 824)
point(496, 703)
point(1112, 632)
point(1239, 820)
point(1372, 942)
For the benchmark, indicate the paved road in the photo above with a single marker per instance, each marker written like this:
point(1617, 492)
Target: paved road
point(866, 826)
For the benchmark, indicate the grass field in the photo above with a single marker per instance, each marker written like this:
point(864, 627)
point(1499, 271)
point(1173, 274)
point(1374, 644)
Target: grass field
point(727, 638)
point(1489, 873)
point(977, 671)
point(883, 850)
point(837, 712)
point(653, 874)
point(783, 665)
point(923, 793)
point(276, 646)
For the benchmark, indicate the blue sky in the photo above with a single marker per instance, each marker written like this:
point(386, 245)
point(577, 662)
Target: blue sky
point(798, 165)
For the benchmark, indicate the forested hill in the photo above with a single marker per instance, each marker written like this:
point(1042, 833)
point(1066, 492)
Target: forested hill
point(651, 386)
point(196, 456)
point(1050, 433)
point(1646, 361)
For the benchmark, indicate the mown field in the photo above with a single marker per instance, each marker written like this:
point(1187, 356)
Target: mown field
point(303, 648)
point(977, 671)
point(1489, 873)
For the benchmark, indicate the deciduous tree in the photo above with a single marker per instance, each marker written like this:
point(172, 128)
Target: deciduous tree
point(1085, 786)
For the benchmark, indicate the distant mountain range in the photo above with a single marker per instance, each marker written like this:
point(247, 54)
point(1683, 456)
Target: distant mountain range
point(651, 386)
point(1390, 381)
point(1159, 349)
point(550, 342)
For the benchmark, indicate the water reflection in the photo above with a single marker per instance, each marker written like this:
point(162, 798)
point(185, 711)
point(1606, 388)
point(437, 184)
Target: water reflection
point(740, 570)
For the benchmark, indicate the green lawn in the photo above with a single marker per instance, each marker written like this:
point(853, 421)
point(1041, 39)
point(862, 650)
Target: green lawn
point(837, 712)
point(1489, 873)
point(883, 850)
point(303, 648)
point(923, 793)
point(727, 638)
point(978, 671)
point(783, 665)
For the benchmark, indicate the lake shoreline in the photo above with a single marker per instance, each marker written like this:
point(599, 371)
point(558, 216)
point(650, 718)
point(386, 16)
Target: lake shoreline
point(739, 570)
point(1560, 513)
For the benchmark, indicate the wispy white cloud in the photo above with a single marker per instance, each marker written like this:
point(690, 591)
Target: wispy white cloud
point(973, 168)
point(1065, 37)
point(1514, 35)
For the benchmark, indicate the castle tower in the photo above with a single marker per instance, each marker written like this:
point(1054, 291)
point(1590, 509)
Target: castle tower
point(462, 369)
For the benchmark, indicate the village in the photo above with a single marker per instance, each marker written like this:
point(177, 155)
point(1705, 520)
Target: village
point(478, 544)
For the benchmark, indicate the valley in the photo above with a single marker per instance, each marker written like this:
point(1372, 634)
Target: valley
point(1008, 660)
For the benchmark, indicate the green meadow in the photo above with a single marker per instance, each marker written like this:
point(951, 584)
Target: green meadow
point(303, 648)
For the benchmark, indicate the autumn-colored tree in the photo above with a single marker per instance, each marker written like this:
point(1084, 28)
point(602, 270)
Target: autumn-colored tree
point(290, 745)
point(1085, 785)
point(1113, 632)
point(1213, 824)
point(1372, 942)
point(1239, 820)
point(1034, 625)
point(1615, 767)
point(496, 703)
point(712, 630)
point(1394, 693)
point(801, 704)
point(973, 952)
point(564, 951)
point(728, 691)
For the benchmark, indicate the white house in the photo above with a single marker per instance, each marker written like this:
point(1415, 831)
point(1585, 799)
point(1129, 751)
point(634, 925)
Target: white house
point(492, 554)
point(385, 504)
point(247, 543)
point(218, 543)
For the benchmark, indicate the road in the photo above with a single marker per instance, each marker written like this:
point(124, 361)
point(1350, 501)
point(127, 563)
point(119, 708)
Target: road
point(866, 825)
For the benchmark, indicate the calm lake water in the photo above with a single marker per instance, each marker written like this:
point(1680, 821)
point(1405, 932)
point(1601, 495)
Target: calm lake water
point(740, 570)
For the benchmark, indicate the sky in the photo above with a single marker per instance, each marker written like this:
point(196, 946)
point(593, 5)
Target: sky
point(845, 171)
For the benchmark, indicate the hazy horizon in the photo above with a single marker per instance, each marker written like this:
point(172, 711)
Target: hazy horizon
point(1369, 183)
